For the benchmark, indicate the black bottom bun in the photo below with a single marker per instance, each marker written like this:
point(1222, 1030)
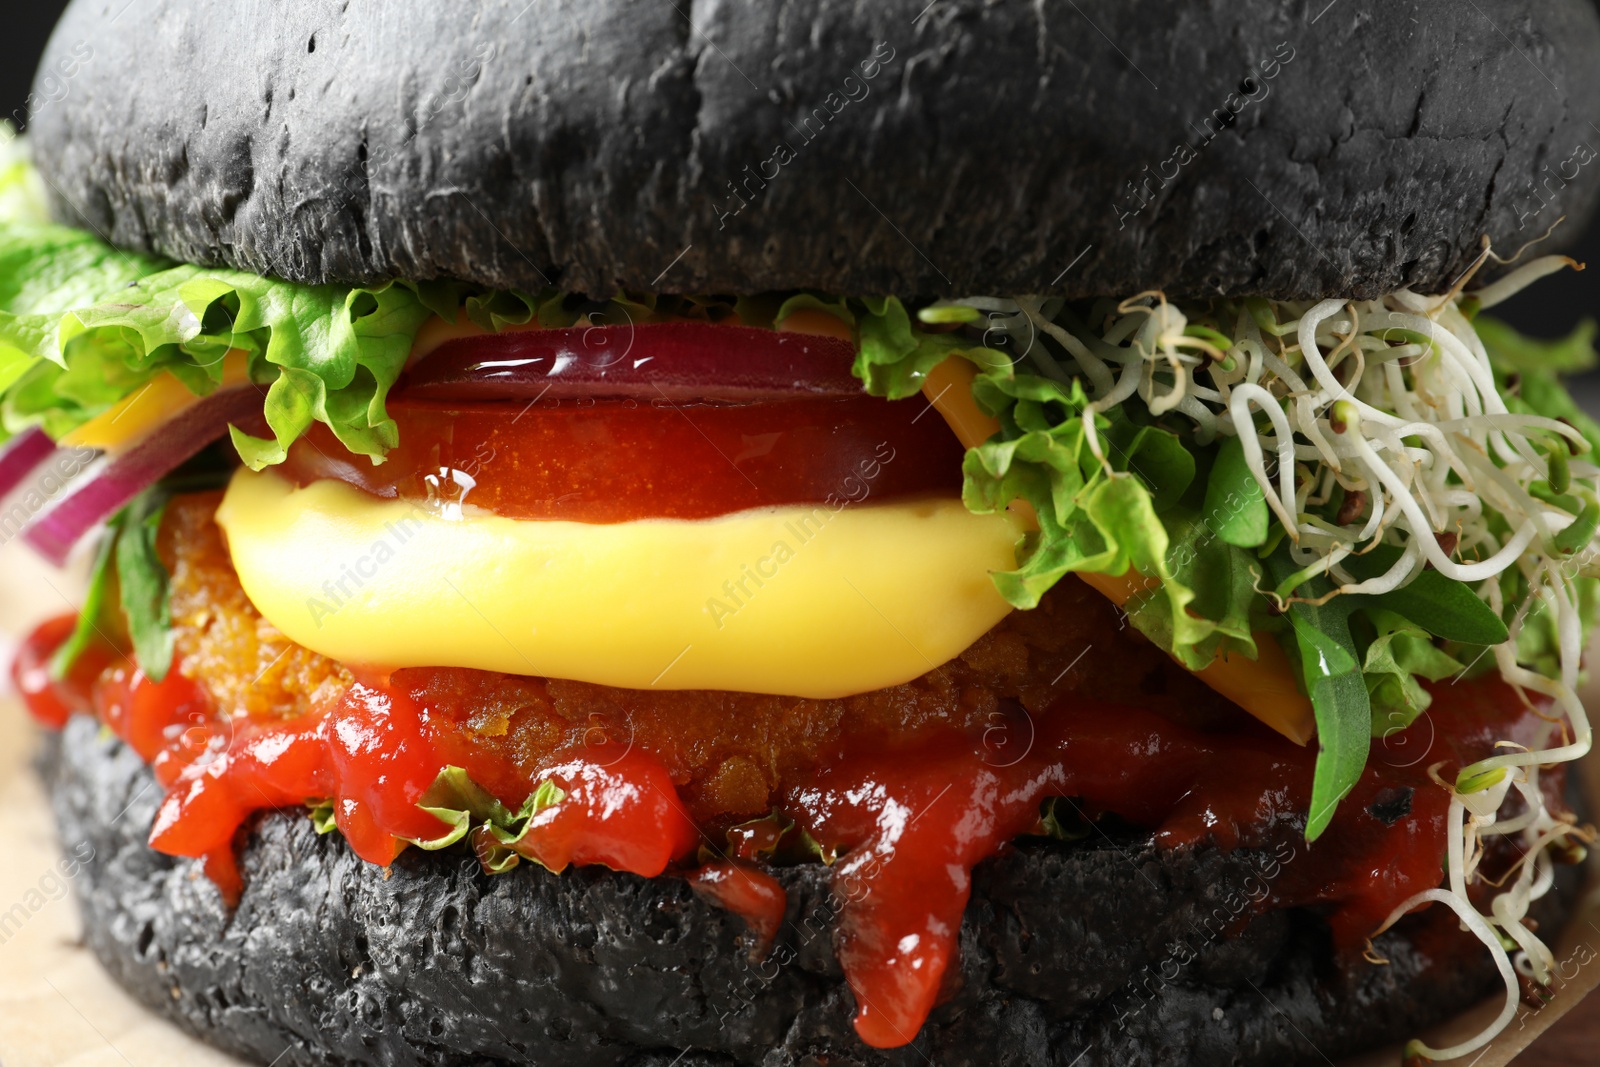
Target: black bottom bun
point(1067, 956)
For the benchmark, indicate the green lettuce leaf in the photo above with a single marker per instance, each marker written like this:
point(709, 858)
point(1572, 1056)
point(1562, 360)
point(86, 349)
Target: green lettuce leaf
point(468, 812)
point(83, 324)
point(840, 309)
point(893, 359)
point(1221, 612)
point(1094, 517)
point(22, 191)
point(1401, 653)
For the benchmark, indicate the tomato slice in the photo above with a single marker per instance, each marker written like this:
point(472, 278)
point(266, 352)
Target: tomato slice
point(609, 461)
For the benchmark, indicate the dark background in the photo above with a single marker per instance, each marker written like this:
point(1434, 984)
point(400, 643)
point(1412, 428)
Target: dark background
point(1550, 309)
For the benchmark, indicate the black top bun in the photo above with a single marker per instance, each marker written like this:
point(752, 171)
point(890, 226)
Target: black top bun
point(951, 148)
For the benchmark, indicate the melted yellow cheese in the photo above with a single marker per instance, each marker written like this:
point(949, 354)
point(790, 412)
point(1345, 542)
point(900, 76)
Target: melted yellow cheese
point(810, 601)
point(948, 388)
point(157, 402)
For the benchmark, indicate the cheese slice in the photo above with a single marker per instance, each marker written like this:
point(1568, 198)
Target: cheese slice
point(154, 404)
point(806, 600)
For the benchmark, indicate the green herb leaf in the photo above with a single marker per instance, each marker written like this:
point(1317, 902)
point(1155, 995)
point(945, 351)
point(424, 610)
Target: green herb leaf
point(1331, 667)
point(97, 621)
point(1442, 606)
point(1515, 352)
point(1580, 532)
point(467, 811)
point(1061, 820)
point(1236, 508)
point(1527, 371)
point(143, 580)
point(501, 846)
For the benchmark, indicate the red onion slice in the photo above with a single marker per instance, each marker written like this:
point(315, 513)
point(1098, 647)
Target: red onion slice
point(673, 361)
point(22, 455)
point(95, 499)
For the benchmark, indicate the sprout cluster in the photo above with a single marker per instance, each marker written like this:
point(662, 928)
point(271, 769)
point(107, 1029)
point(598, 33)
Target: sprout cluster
point(1393, 401)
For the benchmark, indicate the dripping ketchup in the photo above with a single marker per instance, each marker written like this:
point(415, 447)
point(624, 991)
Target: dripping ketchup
point(747, 891)
point(912, 824)
point(374, 752)
point(910, 816)
point(52, 702)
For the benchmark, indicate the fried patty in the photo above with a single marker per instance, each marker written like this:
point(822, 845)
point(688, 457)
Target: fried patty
point(731, 754)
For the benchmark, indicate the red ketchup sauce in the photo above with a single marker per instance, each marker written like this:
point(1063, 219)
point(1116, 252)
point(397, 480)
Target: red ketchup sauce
point(52, 702)
point(747, 891)
point(910, 818)
point(912, 824)
point(374, 753)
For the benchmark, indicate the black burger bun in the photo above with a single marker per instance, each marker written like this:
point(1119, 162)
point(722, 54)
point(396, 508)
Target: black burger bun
point(903, 147)
point(329, 960)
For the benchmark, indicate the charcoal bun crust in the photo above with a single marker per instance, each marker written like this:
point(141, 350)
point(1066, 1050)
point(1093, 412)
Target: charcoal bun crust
point(329, 961)
point(968, 146)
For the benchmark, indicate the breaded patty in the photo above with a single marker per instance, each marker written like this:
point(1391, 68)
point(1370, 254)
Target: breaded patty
point(729, 753)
